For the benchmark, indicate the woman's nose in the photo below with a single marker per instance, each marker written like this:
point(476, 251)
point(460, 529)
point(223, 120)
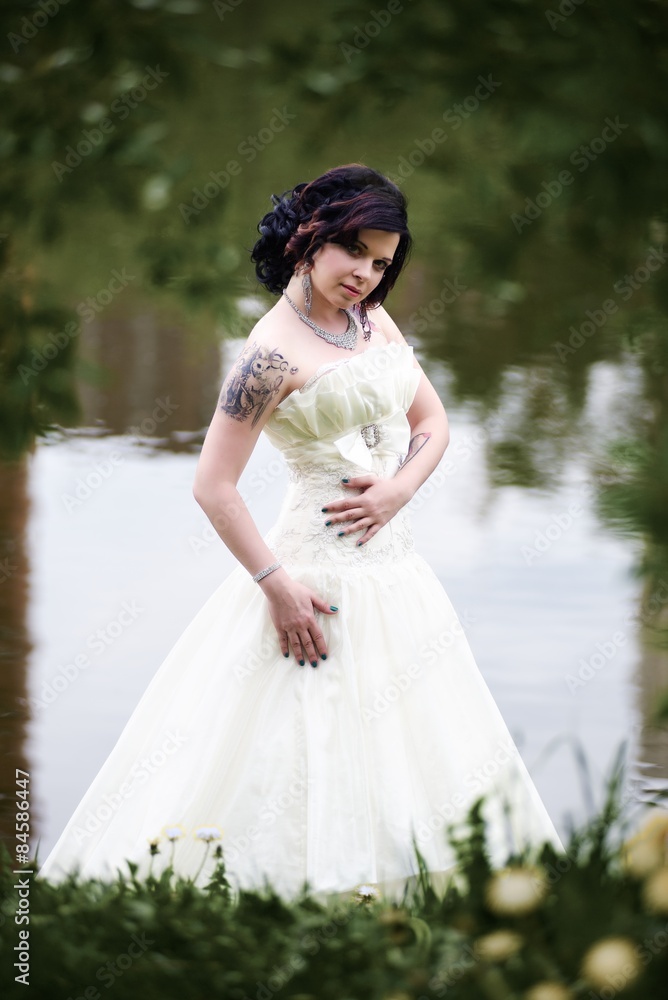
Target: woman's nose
point(362, 268)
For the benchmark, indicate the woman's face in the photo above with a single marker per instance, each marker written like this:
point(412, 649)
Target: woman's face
point(346, 274)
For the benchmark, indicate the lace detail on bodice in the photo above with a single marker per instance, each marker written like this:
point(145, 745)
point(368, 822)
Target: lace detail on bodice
point(302, 537)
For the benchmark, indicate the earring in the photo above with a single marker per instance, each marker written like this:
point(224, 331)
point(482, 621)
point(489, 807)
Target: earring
point(364, 321)
point(308, 292)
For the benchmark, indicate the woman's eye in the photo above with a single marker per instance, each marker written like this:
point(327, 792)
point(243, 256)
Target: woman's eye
point(381, 264)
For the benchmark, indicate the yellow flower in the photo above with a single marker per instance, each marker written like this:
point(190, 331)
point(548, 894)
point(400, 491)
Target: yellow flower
point(548, 991)
point(612, 961)
point(208, 833)
point(647, 849)
point(498, 946)
point(655, 892)
point(515, 891)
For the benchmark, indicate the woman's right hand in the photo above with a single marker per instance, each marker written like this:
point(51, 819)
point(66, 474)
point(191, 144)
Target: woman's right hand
point(292, 607)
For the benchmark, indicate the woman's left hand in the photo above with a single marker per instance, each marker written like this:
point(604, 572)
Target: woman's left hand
point(369, 510)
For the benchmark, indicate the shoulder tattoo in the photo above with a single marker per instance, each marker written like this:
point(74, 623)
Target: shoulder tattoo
point(253, 382)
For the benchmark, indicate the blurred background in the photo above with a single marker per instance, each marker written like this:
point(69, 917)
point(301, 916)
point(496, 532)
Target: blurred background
point(140, 141)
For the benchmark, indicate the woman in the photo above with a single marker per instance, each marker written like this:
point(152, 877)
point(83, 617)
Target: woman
point(329, 777)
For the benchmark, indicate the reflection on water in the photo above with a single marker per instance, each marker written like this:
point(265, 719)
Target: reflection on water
point(121, 558)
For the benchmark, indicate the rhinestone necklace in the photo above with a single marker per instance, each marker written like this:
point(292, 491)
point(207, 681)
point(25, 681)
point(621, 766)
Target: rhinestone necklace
point(347, 340)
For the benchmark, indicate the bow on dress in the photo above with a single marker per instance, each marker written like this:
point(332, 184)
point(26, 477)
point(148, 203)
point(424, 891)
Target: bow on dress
point(391, 436)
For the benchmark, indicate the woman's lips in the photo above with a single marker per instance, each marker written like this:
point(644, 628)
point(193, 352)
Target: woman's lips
point(353, 291)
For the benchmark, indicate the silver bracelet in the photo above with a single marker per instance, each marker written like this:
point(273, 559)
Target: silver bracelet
point(265, 572)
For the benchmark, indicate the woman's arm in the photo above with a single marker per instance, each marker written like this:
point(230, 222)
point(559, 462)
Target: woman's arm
point(251, 390)
point(430, 436)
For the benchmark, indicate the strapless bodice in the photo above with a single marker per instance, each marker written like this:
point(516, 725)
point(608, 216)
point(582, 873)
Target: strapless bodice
point(347, 420)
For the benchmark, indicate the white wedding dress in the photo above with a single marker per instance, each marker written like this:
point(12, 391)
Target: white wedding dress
point(320, 776)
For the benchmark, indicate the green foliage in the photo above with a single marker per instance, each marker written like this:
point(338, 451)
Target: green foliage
point(36, 371)
point(84, 92)
point(634, 499)
point(162, 936)
point(558, 76)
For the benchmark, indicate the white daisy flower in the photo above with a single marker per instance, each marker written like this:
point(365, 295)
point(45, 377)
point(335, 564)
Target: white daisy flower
point(208, 833)
point(173, 832)
point(366, 893)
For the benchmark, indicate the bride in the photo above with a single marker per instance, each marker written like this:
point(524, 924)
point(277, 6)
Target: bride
point(323, 711)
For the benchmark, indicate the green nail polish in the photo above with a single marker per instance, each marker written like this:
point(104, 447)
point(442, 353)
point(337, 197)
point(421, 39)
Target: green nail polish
point(324, 510)
point(332, 608)
point(301, 663)
point(327, 524)
point(323, 656)
point(360, 543)
point(345, 480)
point(340, 533)
point(314, 663)
point(286, 654)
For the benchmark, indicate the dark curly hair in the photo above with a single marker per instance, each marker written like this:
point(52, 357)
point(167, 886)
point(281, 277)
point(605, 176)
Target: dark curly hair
point(331, 208)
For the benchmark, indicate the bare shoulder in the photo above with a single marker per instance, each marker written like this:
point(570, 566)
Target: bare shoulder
point(384, 322)
point(261, 375)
